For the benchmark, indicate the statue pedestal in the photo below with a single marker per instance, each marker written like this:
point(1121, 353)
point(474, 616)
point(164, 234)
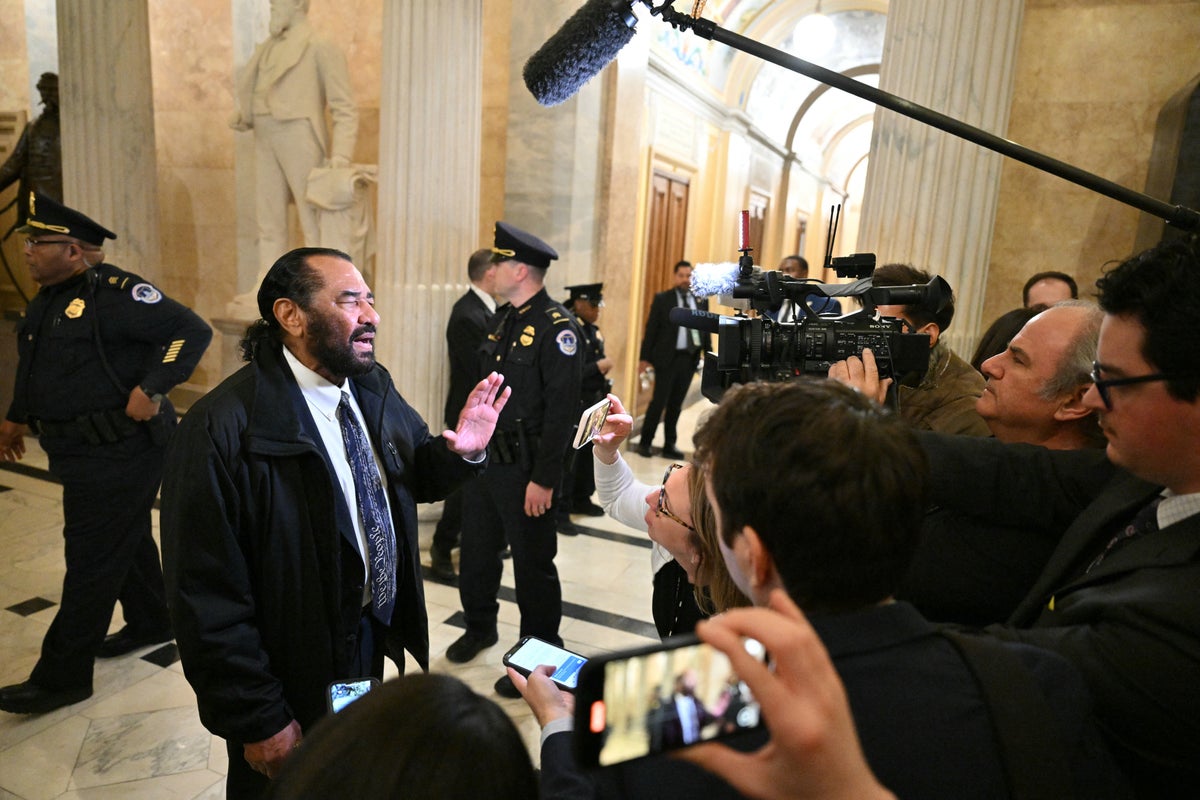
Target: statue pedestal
point(230, 331)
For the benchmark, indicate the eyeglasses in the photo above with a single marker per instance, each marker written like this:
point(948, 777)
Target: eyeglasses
point(662, 499)
point(39, 242)
point(1104, 384)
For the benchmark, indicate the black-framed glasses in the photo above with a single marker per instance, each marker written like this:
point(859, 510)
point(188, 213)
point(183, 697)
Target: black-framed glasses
point(662, 499)
point(1103, 385)
point(39, 242)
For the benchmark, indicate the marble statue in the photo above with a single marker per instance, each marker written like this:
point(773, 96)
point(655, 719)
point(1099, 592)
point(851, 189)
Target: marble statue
point(282, 95)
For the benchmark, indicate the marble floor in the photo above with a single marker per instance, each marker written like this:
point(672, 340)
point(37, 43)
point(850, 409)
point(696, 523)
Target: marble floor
point(139, 735)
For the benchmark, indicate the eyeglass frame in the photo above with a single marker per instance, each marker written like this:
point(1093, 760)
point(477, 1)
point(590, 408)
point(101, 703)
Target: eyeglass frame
point(662, 509)
point(1104, 384)
point(31, 243)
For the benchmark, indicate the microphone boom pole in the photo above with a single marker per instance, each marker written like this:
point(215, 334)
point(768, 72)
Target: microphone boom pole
point(1182, 217)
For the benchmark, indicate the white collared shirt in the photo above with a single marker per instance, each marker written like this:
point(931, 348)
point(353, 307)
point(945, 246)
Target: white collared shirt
point(323, 398)
point(487, 299)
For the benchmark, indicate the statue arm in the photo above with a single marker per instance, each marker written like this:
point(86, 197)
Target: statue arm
point(335, 77)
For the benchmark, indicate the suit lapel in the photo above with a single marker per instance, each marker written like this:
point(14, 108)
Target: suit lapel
point(1083, 539)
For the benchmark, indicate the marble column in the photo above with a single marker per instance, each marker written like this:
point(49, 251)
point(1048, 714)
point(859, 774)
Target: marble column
point(108, 146)
point(930, 197)
point(429, 168)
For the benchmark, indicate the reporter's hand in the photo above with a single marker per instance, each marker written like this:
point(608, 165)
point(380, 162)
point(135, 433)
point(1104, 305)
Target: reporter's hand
point(862, 374)
point(12, 441)
point(268, 755)
point(617, 426)
point(542, 695)
point(814, 750)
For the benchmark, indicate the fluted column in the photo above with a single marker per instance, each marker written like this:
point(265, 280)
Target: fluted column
point(429, 166)
point(930, 197)
point(108, 147)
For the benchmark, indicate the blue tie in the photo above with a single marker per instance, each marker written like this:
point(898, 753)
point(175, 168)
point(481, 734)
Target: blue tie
point(372, 509)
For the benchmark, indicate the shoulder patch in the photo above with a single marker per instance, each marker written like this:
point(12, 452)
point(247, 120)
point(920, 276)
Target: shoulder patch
point(145, 293)
point(568, 343)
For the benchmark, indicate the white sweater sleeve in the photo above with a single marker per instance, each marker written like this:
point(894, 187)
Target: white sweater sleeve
point(624, 499)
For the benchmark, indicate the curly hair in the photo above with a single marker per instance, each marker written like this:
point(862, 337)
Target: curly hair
point(293, 277)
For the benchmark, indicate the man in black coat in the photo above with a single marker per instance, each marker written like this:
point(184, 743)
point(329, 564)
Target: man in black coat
point(98, 350)
point(470, 320)
point(673, 351)
point(289, 521)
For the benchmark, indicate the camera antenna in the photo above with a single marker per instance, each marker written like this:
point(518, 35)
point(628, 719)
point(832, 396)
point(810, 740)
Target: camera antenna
point(835, 213)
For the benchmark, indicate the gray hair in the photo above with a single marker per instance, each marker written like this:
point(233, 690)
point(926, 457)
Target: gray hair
point(1075, 367)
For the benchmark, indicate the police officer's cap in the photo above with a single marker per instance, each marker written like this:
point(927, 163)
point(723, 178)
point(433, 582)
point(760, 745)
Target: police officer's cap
point(512, 243)
point(48, 216)
point(586, 291)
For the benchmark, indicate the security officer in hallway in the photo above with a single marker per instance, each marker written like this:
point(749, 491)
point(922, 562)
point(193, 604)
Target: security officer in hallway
point(584, 302)
point(536, 347)
point(98, 350)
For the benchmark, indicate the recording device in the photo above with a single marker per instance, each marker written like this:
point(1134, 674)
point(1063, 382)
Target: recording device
point(591, 421)
point(531, 653)
point(654, 699)
point(760, 348)
point(582, 47)
point(342, 693)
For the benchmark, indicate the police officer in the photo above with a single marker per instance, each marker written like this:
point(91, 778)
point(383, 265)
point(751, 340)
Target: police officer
point(584, 302)
point(97, 352)
point(536, 347)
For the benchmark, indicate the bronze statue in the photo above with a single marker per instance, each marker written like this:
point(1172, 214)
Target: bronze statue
point(37, 159)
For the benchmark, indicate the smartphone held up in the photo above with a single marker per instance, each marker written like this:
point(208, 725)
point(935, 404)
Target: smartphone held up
point(659, 698)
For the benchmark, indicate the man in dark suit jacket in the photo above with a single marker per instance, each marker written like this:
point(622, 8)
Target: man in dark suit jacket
point(470, 320)
point(1117, 598)
point(673, 351)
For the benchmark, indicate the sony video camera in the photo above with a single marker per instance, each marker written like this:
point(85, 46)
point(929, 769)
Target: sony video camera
point(761, 348)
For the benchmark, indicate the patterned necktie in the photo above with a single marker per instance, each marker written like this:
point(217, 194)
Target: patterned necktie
point(372, 510)
point(692, 336)
point(1145, 521)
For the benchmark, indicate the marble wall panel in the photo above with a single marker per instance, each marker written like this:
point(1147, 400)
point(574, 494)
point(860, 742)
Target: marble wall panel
point(1091, 78)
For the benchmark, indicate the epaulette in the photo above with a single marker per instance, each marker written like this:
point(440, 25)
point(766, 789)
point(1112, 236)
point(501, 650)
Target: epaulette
point(557, 315)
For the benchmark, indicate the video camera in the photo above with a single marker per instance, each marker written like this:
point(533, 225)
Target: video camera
point(760, 348)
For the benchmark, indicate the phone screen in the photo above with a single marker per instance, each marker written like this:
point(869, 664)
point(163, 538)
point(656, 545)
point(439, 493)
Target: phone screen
point(531, 653)
point(343, 693)
point(651, 700)
point(590, 422)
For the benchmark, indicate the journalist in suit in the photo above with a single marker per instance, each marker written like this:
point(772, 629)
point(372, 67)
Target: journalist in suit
point(674, 363)
point(1116, 598)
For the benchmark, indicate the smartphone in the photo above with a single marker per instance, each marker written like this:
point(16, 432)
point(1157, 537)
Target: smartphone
point(590, 423)
point(653, 699)
point(342, 693)
point(531, 653)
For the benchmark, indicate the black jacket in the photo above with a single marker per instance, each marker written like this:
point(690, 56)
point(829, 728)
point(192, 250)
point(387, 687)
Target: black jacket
point(469, 323)
point(264, 586)
point(658, 342)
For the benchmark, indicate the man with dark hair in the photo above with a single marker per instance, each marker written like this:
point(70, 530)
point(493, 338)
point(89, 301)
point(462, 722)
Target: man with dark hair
point(796, 266)
point(944, 401)
point(98, 350)
point(1047, 288)
point(835, 530)
point(289, 521)
point(470, 319)
point(1118, 595)
point(673, 351)
point(535, 346)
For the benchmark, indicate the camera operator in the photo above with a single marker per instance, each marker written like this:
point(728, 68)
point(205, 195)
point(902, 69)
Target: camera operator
point(944, 401)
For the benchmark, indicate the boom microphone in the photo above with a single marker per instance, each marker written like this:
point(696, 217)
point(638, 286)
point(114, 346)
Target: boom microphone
point(703, 321)
point(583, 46)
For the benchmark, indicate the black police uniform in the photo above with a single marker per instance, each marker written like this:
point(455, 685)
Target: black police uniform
point(536, 347)
point(580, 482)
point(82, 347)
